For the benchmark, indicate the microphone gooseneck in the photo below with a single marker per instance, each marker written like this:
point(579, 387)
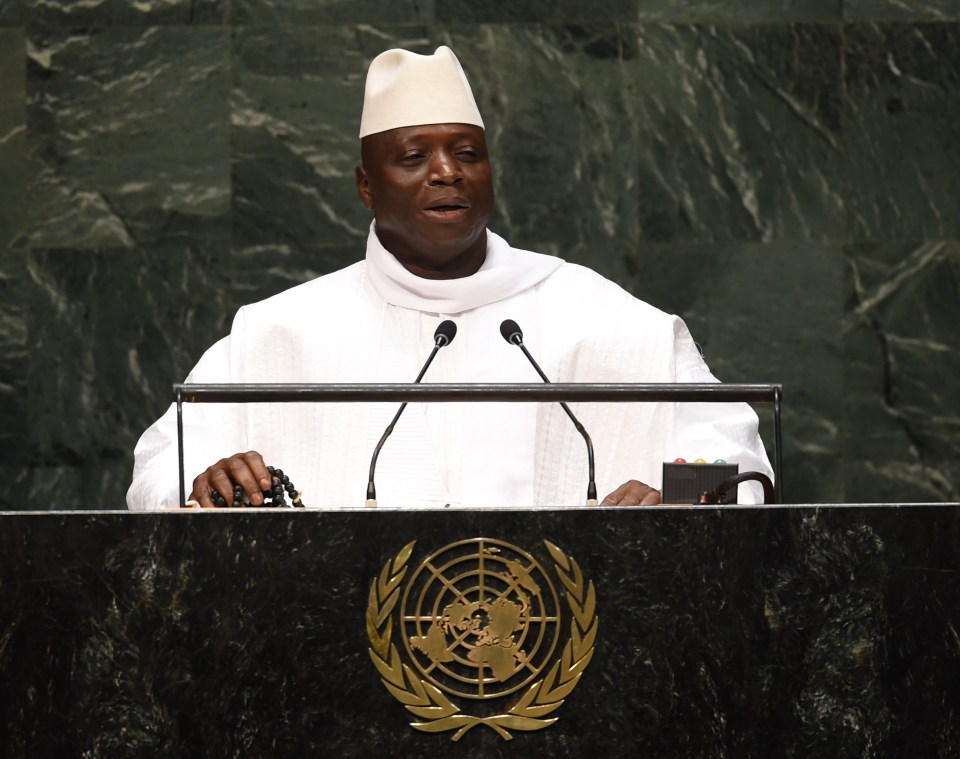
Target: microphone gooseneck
point(512, 333)
point(442, 337)
point(716, 495)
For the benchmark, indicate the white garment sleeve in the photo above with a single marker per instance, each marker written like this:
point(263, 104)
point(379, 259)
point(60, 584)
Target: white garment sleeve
point(713, 431)
point(211, 432)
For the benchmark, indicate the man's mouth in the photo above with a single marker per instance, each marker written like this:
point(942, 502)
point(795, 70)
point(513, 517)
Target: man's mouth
point(448, 210)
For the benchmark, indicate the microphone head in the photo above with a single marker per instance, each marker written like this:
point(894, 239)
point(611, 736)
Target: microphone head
point(445, 333)
point(511, 332)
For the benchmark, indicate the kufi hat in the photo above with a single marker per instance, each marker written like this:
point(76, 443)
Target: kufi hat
point(408, 89)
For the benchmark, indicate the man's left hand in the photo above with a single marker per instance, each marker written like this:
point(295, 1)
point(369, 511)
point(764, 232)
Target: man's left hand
point(632, 493)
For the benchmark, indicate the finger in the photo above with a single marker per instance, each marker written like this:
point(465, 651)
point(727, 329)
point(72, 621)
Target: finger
point(650, 498)
point(616, 497)
point(221, 482)
point(633, 493)
point(250, 472)
point(202, 491)
point(258, 468)
point(241, 475)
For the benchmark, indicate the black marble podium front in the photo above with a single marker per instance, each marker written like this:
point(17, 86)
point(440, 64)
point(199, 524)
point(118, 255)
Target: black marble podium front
point(767, 632)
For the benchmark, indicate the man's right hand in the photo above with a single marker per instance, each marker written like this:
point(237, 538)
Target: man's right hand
point(246, 469)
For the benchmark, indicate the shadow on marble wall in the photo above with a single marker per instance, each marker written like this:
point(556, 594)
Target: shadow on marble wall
point(785, 176)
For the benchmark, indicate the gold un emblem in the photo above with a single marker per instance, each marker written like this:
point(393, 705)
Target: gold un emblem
point(480, 623)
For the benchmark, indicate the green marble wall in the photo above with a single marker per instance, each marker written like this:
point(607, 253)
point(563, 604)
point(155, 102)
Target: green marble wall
point(785, 174)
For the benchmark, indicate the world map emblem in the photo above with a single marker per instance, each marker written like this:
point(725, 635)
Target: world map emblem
point(478, 634)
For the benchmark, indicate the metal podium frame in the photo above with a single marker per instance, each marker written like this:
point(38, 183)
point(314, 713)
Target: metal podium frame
point(479, 392)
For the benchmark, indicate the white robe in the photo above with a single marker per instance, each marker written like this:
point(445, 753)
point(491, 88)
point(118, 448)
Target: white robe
point(374, 322)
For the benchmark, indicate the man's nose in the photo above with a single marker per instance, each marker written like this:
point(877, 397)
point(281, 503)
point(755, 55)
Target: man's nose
point(445, 169)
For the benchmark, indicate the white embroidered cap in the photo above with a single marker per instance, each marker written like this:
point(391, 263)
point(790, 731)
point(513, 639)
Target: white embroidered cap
point(408, 89)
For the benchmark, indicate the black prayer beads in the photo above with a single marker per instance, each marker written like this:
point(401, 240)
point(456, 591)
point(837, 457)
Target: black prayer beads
point(275, 497)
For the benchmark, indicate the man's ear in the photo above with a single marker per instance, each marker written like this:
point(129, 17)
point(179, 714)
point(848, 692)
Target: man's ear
point(363, 186)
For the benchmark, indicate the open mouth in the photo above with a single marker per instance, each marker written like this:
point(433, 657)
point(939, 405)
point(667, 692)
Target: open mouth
point(447, 210)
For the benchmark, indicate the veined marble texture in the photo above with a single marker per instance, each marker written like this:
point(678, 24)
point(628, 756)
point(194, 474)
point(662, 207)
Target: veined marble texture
point(128, 136)
point(902, 156)
point(15, 352)
point(13, 175)
point(297, 12)
point(901, 10)
point(762, 169)
point(13, 135)
point(754, 632)
point(572, 11)
point(740, 133)
point(74, 13)
point(119, 326)
point(902, 386)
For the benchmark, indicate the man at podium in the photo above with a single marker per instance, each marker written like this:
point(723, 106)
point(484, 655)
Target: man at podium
point(426, 177)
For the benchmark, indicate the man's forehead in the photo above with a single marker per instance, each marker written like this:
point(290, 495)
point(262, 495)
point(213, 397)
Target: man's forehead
point(373, 147)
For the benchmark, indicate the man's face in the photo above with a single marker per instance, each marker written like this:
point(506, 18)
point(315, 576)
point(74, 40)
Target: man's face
point(431, 192)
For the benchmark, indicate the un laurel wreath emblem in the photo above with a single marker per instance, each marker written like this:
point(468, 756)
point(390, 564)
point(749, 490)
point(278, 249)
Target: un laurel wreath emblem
point(479, 623)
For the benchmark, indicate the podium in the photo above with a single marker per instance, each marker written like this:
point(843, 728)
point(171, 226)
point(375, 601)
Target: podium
point(730, 631)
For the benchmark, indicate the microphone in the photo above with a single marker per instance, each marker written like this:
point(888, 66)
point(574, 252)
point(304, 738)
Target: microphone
point(443, 335)
point(512, 334)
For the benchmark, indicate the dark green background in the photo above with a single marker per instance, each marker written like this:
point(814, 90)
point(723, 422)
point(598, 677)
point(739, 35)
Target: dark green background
point(784, 174)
